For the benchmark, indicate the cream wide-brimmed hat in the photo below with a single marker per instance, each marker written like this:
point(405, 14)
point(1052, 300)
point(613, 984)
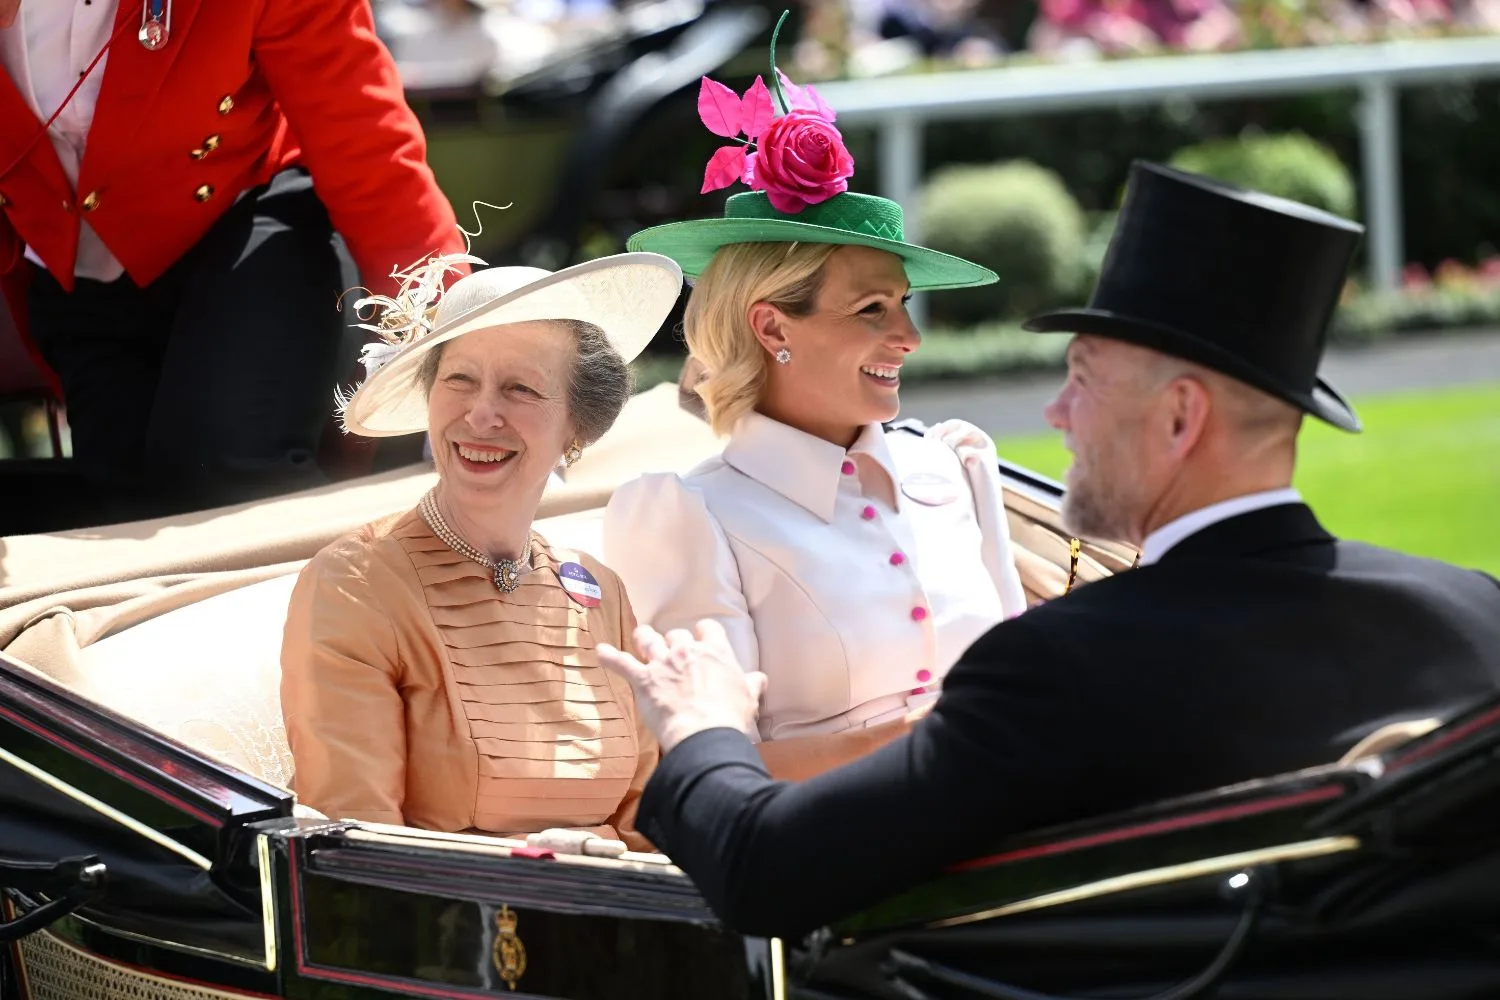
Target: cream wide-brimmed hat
point(627, 295)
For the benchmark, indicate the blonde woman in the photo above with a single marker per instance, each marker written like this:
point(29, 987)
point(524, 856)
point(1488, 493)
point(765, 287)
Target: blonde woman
point(850, 562)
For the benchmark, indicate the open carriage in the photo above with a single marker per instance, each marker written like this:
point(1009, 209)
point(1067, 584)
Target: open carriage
point(149, 846)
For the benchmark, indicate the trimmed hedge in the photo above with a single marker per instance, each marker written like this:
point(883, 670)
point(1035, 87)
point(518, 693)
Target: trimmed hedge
point(1288, 165)
point(1020, 220)
point(1017, 219)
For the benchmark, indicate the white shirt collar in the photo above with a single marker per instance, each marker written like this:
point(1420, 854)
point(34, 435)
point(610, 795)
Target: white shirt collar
point(1159, 541)
point(801, 467)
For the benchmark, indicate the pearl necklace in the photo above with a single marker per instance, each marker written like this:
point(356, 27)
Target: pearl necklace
point(507, 572)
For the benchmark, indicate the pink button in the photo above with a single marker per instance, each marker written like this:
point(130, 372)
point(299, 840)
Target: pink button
point(918, 690)
point(924, 676)
point(917, 614)
point(897, 558)
point(848, 468)
point(868, 513)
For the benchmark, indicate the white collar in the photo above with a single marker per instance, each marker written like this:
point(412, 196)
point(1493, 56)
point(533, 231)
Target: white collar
point(1159, 541)
point(801, 467)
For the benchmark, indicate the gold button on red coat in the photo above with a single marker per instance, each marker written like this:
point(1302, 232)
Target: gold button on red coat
point(226, 104)
point(204, 192)
point(90, 201)
point(3, 202)
point(209, 145)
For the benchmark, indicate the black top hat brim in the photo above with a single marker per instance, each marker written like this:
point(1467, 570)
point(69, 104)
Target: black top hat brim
point(1324, 401)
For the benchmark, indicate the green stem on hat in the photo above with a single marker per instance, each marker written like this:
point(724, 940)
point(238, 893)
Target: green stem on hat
point(775, 76)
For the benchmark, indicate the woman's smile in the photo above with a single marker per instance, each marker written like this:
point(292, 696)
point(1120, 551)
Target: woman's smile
point(482, 459)
point(885, 376)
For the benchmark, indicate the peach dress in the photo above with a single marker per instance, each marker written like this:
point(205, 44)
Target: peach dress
point(417, 693)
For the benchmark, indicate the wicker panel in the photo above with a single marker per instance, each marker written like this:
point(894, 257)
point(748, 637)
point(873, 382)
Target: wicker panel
point(55, 970)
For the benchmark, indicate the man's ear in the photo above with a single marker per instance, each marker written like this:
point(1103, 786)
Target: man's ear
point(1190, 405)
point(769, 326)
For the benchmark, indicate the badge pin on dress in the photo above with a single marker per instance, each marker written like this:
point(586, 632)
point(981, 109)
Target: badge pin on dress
point(580, 584)
point(156, 24)
point(930, 488)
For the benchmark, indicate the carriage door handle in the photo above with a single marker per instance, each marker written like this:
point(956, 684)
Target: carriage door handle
point(71, 882)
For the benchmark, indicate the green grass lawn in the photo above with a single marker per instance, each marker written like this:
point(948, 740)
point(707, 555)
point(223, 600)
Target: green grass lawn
point(1424, 477)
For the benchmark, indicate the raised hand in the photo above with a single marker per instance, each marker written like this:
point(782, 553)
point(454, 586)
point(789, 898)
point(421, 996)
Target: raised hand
point(688, 683)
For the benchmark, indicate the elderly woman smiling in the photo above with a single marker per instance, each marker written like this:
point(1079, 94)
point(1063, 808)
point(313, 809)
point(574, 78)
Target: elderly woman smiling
point(438, 666)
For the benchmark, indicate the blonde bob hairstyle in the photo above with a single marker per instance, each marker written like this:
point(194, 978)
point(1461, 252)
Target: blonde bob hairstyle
point(717, 318)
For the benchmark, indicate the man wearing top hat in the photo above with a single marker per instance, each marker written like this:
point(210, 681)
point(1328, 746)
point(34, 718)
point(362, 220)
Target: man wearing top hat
point(1249, 642)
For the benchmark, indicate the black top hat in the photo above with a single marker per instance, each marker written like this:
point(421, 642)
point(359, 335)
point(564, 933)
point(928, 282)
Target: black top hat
point(1235, 280)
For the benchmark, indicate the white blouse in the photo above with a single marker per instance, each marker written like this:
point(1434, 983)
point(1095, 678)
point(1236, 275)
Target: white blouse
point(853, 579)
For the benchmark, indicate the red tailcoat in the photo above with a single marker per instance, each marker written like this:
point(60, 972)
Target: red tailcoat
point(240, 91)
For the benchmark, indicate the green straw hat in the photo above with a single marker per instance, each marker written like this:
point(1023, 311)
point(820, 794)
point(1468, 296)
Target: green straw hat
point(798, 169)
point(846, 219)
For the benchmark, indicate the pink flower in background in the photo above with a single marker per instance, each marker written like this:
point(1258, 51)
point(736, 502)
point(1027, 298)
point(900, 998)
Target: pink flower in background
point(1451, 274)
point(798, 159)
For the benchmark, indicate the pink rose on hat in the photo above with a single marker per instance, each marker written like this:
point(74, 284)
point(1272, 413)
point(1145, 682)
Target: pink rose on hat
point(797, 159)
point(801, 161)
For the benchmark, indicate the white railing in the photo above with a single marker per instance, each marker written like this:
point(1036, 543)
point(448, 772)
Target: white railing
point(899, 106)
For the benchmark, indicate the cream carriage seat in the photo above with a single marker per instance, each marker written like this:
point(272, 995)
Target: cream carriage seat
point(209, 674)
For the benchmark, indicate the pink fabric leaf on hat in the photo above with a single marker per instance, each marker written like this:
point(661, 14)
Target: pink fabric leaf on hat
point(756, 110)
point(726, 166)
point(719, 108)
point(806, 99)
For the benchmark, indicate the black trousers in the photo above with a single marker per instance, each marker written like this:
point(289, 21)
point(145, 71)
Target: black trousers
point(211, 385)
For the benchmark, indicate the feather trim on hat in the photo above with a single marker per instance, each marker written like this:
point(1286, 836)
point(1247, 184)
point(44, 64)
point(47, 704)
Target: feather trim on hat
point(403, 319)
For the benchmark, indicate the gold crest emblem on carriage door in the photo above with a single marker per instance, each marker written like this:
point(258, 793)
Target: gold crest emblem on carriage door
point(508, 954)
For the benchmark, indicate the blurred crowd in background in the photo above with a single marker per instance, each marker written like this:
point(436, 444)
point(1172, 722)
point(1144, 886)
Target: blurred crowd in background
point(457, 43)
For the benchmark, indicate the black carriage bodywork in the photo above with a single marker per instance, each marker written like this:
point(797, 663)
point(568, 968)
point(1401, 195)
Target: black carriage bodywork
point(1372, 880)
point(210, 883)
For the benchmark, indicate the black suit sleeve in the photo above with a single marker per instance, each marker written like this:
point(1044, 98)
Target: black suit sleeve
point(998, 754)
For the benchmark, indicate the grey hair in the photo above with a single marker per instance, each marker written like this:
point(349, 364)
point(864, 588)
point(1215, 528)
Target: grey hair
point(599, 383)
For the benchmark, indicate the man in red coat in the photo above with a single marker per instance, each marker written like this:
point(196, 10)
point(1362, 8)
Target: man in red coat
point(186, 188)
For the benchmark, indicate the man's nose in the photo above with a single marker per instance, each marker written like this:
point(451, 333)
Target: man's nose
point(1056, 412)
